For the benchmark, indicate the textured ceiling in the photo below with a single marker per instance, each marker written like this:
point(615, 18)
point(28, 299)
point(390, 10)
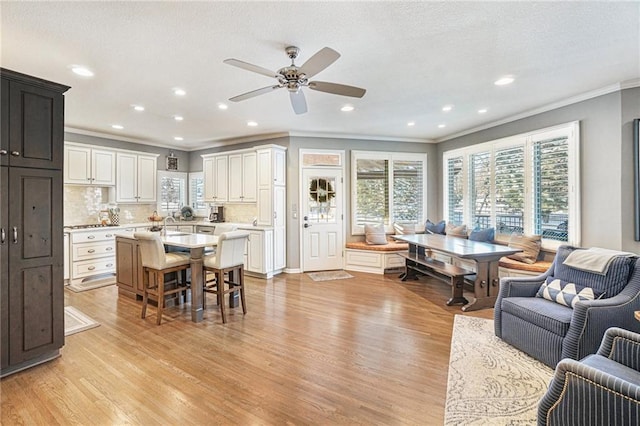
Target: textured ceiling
point(412, 57)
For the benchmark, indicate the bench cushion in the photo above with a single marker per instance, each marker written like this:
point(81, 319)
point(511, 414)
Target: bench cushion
point(391, 246)
point(540, 265)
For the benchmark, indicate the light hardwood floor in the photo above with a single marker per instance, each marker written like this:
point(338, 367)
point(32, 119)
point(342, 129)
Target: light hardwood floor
point(366, 350)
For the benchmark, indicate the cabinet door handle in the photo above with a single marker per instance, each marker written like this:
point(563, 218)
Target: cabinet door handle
point(275, 215)
point(91, 251)
point(15, 235)
point(91, 268)
point(15, 153)
point(3, 236)
point(91, 237)
point(3, 152)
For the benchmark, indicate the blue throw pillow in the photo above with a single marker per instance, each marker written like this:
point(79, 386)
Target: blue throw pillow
point(435, 228)
point(567, 294)
point(483, 235)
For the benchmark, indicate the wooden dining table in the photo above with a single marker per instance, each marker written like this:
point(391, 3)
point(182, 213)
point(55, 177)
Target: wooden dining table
point(486, 284)
point(196, 243)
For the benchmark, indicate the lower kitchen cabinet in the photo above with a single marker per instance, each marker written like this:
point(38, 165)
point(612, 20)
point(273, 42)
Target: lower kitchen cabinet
point(92, 255)
point(129, 270)
point(259, 260)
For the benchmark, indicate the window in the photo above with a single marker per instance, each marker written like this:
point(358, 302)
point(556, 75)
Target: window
point(172, 192)
point(196, 194)
point(524, 184)
point(388, 187)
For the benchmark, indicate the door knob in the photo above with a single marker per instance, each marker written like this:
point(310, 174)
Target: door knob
point(306, 225)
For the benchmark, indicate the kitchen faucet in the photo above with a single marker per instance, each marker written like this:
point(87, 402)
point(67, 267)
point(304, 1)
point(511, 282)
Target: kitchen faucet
point(164, 227)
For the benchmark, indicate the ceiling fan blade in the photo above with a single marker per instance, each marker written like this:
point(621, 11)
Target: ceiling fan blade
point(337, 89)
point(250, 67)
point(298, 102)
point(254, 93)
point(318, 62)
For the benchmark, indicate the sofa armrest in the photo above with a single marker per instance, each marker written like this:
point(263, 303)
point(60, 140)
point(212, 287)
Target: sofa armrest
point(592, 318)
point(579, 392)
point(621, 346)
point(520, 286)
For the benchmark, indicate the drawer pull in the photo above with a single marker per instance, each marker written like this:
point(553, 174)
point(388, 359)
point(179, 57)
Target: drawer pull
point(91, 251)
point(109, 265)
point(109, 235)
point(109, 248)
point(91, 237)
point(91, 268)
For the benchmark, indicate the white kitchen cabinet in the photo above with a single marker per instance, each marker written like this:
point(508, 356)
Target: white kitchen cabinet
point(259, 253)
point(92, 255)
point(67, 258)
point(242, 177)
point(88, 165)
point(135, 177)
point(216, 170)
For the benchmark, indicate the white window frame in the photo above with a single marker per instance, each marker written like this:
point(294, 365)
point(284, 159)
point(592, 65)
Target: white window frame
point(390, 156)
point(183, 196)
point(198, 212)
point(571, 130)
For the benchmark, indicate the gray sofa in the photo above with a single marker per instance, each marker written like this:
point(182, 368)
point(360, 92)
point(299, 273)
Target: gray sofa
point(601, 389)
point(549, 331)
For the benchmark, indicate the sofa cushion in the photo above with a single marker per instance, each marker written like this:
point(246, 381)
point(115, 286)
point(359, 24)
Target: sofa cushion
point(483, 235)
point(540, 266)
point(612, 367)
point(541, 312)
point(530, 246)
point(374, 234)
point(459, 231)
point(564, 293)
point(435, 228)
point(610, 284)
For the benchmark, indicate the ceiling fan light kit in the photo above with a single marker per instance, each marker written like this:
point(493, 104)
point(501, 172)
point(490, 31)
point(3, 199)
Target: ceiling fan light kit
point(294, 78)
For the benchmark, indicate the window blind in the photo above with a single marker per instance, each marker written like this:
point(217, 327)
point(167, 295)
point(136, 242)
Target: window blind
point(509, 190)
point(407, 191)
point(372, 188)
point(480, 184)
point(455, 190)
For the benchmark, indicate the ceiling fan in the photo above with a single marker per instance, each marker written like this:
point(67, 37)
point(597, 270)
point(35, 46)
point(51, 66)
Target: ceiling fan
point(293, 78)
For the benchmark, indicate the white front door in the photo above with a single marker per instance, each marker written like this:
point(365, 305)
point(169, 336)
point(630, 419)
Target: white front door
point(322, 219)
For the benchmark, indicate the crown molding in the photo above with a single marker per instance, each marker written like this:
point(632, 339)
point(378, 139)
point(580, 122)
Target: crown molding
point(359, 137)
point(628, 84)
point(119, 138)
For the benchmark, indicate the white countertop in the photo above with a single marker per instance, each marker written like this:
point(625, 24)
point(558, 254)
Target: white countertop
point(243, 226)
point(179, 239)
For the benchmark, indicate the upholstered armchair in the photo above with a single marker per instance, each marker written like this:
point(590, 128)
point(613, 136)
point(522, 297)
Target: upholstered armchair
point(550, 331)
point(601, 389)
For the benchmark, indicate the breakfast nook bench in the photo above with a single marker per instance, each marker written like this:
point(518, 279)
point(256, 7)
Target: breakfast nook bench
point(374, 258)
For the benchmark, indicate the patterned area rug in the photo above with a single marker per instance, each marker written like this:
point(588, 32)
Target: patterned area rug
point(329, 275)
point(75, 321)
point(491, 382)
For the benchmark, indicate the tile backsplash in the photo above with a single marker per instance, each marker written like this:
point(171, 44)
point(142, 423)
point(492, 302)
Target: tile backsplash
point(82, 205)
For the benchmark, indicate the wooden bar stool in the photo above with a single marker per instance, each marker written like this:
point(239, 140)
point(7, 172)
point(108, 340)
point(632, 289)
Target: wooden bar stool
point(228, 260)
point(156, 261)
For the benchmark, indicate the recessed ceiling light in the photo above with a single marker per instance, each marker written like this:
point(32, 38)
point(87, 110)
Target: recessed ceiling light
point(482, 111)
point(447, 108)
point(441, 126)
point(222, 106)
point(138, 107)
point(178, 117)
point(504, 80)
point(179, 92)
point(117, 126)
point(83, 71)
point(411, 123)
point(252, 123)
point(347, 108)
point(178, 138)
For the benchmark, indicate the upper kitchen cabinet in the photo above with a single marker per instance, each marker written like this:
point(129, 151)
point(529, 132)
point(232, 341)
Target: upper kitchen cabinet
point(86, 165)
point(216, 177)
point(136, 177)
point(33, 122)
point(242, 177)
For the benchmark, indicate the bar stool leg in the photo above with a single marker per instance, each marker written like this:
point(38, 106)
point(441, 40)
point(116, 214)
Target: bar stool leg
point(160, 280)
point(220, 293)
point(145, 292)
point(241, 282)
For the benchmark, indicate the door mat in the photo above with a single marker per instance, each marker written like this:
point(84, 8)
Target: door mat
point(329, 275)
point(90, 285)
point(490, 382)
point(75, 321)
